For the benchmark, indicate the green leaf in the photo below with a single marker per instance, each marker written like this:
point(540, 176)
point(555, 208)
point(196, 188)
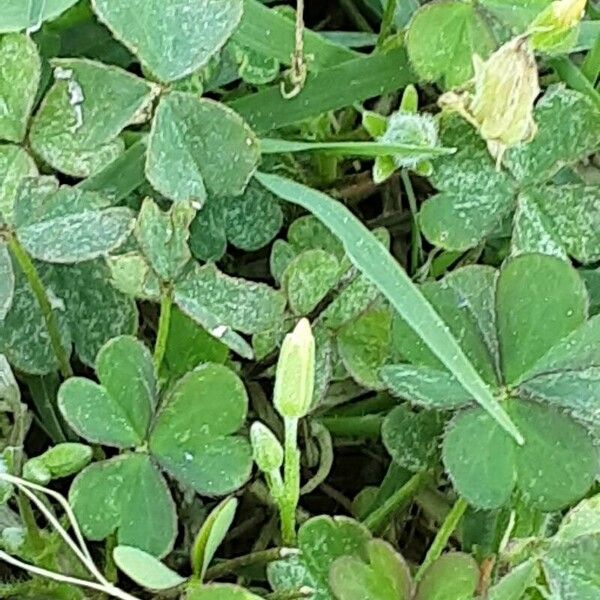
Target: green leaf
point(532, 318)
point(16, 14)
point(7, 282)
point(582, 520)
point(126, 494)
point(117, 412)
point(205, 139)
point(66, 225)
point(172, 41)
point(568, 130)
point(321, 541)
point(558, 462)
point(385, 576)
point(236, 303)
point(453, 576)
point(208, 236)
point(514, 584)
point(412, 438)
point(58, 461)
point(211, 535)
point(309, 233)
point(442, 38)
point(15, 165)
point(479, 458)
point(372, 258)
point(253, 219)
point(76, 128)
point(220, 591)
point(572, 569)
point(96, 312)
point(426, 386)
point(364, 346)
point(560, 220)
point(163, 237)
point(193, 435)
point(131, 274)
point(308, 278)
point(20, 71)
point(145, 569)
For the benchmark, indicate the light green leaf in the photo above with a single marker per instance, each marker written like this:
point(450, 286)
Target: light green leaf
point(7, 282)
point(211, 535)
point(412, 438)
point(514, 584)
point(172, 40)
point(308, 278)
point(385, 576)
point(206, 140)
point(163, 237)
point(253, 219)
point(145, 569)
point(282, 254)
point(442, 38)
point(220, 591)
point(426, 386)
point(558, 462)
point(16, 13)
point(453, 576)
point(95, 310)
point(583, 519)
point(568, 126)
point(321, 541)
point(566, 219)
point(117, 412)
point(66, 225)
point(9, 388)
point(76, 128)
point(479, 458)
point(208, 236)
point(517, 15)
point(236, 303)
point(193, 435)
point(125, 495)
point(131, 274)
point(58, 461)
point(20, 70)
point(15, 165)
point(372, 258)
point(364, 346)
point(532, 318)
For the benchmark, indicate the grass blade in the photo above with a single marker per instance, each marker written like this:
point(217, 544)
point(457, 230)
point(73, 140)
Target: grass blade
point(372, 258)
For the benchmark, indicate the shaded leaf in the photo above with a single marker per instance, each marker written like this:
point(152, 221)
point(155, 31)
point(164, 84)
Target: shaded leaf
point(453, 576)
point(220, 591)
point(145, 569)
point(15, 165)
point(514, 584)
point(16, 13)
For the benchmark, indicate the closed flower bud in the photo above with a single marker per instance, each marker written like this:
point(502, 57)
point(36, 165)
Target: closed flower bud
point(555, 29)
point(267, 451)
point(294, 379)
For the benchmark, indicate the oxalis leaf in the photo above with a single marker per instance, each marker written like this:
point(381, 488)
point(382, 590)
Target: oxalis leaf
point(172, 39)
point(371, 258)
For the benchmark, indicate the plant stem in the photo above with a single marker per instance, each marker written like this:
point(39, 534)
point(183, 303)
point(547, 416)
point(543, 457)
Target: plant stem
point(574, 78)
point(291, 482)
point(28, 518)
point(254, 558)
point(442, 537)
point(365, 426)
point(37, 287)
point(387, 22)
point(416, 248)
point(376, 521)
point(164, 323)
point(355, 15)
point(591, 65)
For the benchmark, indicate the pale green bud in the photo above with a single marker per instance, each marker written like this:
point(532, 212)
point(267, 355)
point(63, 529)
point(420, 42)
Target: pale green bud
point(59, 461)
point(555, 29)
point(295, 376)
point(266, 449)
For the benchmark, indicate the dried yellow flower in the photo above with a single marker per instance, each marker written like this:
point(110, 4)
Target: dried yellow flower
point(555, 28)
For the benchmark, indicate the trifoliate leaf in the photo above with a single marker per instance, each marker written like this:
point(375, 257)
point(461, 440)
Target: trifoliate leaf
point(76, 128)
point(15, 165)
point(20, 70)
point(131, 274)
point(117, 411)
point(308, 233)
point(172, 40)
point(205, 139)
point(124, 495)
point(194, 434)
point(442, 38)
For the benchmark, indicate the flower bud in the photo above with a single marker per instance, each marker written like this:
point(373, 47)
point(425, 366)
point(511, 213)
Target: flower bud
point(555, 29)
point(294, 380)
point(267, 451)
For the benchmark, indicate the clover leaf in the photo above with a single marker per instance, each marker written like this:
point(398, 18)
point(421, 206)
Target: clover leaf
point(192, 437)
point(528, 332)
point(15, 165)
point(474, 199)
point(16, 15)
point(7, 282)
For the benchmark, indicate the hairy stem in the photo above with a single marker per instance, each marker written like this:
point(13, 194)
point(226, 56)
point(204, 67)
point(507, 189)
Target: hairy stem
point(291, 482)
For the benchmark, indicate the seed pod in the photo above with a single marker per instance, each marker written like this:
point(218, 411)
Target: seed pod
point(267, 451)
point(294, 380)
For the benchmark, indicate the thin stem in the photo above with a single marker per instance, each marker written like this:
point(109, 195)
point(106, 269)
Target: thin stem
point(164, 323)
point(28, 518)
point(291, 482)
point(591, 65)
point(254, 558)
point(364, 426)
point(380, 517)
point(387, 22)
point(37, 287)
point(355, 15)
point(442, 537)
point(416, 248)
